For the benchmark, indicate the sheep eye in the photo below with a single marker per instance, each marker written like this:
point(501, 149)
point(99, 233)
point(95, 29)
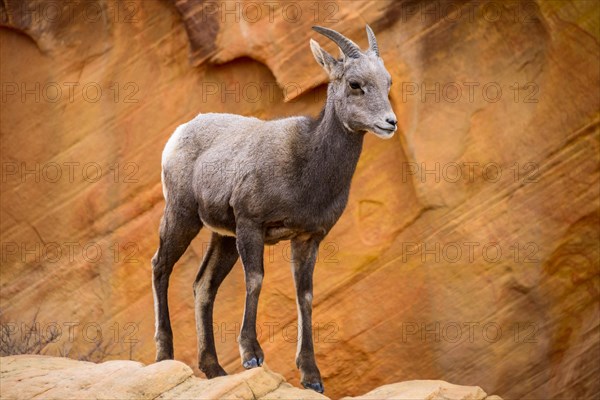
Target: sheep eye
point(354, 85)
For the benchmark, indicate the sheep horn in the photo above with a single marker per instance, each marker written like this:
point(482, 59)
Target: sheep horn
point(372, 41)
point(349, 48)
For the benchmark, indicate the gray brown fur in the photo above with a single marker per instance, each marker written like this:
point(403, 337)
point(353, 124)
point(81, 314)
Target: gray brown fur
point(255, 182)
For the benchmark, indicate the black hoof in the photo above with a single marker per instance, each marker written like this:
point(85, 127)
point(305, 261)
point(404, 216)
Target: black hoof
point(252, 363)
point(213, 372)
point(317, 386)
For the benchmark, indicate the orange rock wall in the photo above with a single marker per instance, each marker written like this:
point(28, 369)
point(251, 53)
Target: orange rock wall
point(469, 248)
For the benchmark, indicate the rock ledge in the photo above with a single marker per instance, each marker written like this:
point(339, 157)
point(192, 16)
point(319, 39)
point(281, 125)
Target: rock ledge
point(44, 377)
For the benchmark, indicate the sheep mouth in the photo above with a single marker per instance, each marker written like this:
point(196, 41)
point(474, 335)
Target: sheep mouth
point(385, 129)
point(384, 133)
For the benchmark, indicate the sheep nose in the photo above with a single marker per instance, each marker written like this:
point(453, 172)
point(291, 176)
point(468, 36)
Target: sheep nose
point(391, 121)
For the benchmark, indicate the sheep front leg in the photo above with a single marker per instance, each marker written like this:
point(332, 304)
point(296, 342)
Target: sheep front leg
point(304, 255)
point(250, 244)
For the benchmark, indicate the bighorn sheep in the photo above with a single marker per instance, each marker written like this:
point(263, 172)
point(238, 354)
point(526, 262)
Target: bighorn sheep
point(295, 189)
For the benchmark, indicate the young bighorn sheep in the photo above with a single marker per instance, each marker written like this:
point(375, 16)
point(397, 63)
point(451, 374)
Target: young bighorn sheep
point(294, 187)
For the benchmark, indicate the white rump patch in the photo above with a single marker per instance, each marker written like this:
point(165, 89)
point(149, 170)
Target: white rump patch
point(171, 145)
point(167, 153)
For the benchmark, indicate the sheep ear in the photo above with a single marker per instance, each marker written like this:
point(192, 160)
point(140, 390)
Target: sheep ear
point(342, 56)
point(324, 59)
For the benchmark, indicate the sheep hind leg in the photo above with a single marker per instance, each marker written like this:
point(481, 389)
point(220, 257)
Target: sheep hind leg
point(216, 265)
point(177, 229)
point(304, 254)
